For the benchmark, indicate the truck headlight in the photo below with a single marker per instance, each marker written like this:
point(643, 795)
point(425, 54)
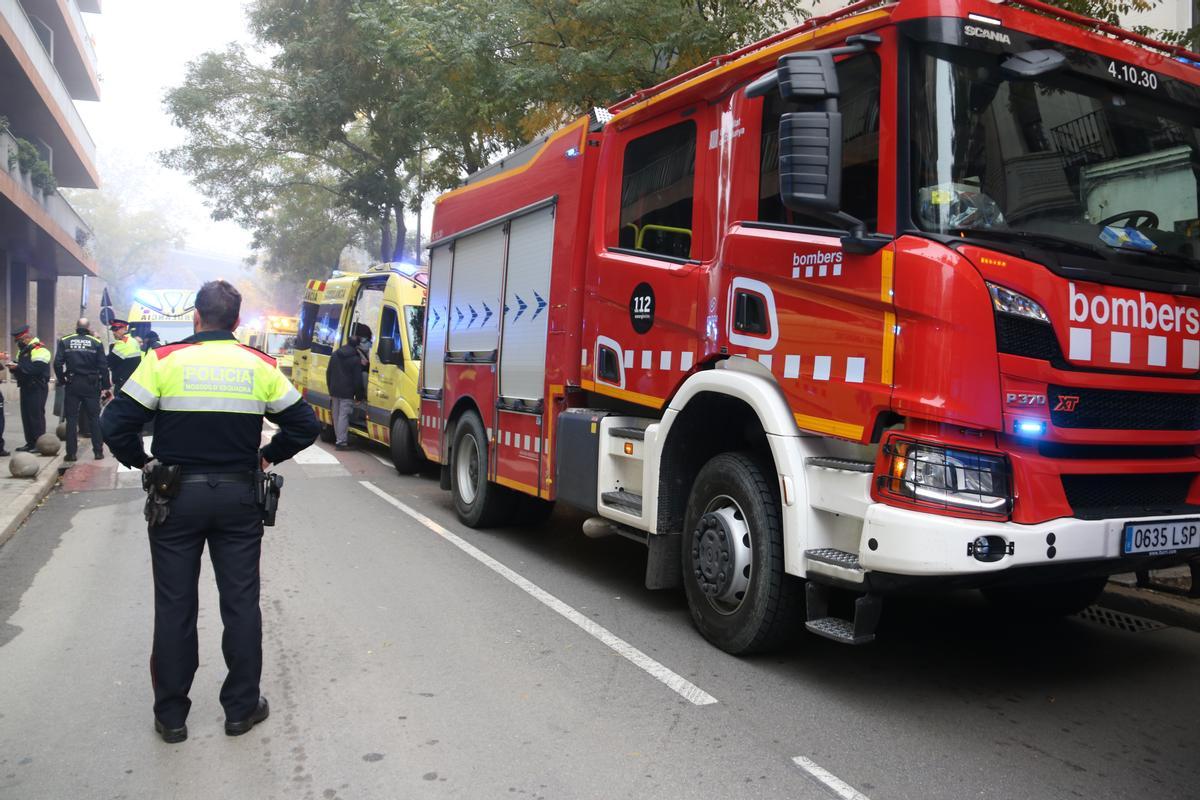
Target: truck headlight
point(1007, 301)
point(951, 479)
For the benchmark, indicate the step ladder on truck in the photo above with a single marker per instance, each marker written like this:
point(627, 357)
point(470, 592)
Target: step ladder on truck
point(904, 298)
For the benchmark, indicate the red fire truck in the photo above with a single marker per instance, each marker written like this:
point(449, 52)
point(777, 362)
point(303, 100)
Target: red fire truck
point(906, 297)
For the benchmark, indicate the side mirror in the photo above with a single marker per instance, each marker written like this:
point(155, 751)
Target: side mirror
point(810, 160)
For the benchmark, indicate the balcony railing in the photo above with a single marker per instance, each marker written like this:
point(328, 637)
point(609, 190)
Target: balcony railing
point(15, 16)
point(89, 51)
point(53, 203)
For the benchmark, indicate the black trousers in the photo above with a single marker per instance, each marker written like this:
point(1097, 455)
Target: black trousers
point(226, 516)
point(33, 412)
point(83, 394)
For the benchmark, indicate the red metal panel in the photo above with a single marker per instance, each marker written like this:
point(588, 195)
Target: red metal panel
point(520, 448)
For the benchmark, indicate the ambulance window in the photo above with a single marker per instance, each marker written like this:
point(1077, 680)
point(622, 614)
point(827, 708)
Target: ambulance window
point(306, 326)
point(325, 330)
point(364, 323)
point(414, 316)
point(390, 346)
point(657, 185)
point(859, 80)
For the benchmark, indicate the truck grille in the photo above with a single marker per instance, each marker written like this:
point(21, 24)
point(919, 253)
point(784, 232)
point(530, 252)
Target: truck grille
point(1105, 409)
point(1104, 496)
point(1020, 336)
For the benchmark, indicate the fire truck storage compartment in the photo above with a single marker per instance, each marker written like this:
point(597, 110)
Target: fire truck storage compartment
point(524, 311)
point(578, 457)
point(477, 269)
point(433, 366)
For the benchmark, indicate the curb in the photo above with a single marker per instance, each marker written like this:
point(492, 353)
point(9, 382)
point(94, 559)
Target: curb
point(12, 517)
point(1168, 609)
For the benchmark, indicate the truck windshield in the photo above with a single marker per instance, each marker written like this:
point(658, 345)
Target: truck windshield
point(1065, 160)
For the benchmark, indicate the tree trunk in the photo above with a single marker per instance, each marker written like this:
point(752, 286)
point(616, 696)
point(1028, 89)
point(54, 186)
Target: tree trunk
point(401, 236)
point(385, 235)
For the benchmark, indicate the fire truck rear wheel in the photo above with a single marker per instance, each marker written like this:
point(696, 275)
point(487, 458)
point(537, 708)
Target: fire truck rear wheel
point(739, 596)
point(478, 502)
point(1048, 600)
point(406, 455)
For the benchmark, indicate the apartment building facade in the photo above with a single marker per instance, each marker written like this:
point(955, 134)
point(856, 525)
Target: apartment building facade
point(47, 62)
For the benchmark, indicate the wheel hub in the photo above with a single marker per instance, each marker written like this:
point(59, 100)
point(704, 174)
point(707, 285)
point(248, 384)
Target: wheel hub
point(721, 557)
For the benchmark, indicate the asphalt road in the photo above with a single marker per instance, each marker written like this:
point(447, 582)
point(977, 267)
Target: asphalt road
point(415, 658)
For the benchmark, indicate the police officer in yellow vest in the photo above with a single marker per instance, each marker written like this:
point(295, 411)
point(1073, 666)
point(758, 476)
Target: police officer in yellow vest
point(207, 396)
point(124, 354)
point(32, 371)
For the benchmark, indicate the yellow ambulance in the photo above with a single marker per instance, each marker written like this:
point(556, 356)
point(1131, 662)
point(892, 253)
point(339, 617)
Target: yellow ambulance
point(384, 306)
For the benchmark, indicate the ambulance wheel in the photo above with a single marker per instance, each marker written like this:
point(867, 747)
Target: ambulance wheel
point(406, 454)
point(1046, 601)
point(478, 502)
point(328, 435)
point(740, 598)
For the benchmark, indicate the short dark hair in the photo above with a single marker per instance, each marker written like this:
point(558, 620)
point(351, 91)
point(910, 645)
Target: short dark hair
point(219, 304)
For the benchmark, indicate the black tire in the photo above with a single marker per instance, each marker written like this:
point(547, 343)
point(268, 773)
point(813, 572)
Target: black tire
point(532, 512)
point(1046, 601)
point(478, 502)
point(733, 489)
point(328, 435)
point(406, 453)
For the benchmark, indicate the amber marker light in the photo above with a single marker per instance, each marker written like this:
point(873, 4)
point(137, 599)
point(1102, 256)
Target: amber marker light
point(629, 448)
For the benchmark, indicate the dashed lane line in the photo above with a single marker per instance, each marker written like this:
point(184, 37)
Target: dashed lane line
point(827, 779)
point(382, 460)
point(677, 683)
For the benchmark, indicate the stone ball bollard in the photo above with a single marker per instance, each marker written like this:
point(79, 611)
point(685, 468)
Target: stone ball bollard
point(61, 431)
point(48, 444)
point(23, 465)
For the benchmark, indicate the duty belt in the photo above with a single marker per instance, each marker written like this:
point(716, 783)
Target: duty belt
point(217, 477)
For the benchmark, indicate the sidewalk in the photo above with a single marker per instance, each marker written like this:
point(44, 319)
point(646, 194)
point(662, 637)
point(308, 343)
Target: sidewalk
point(20, 496)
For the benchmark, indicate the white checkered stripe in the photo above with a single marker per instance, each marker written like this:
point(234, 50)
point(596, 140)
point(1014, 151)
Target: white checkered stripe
point(430, 421)
point(530, 444)
point(1135, 349)
point(821, 368)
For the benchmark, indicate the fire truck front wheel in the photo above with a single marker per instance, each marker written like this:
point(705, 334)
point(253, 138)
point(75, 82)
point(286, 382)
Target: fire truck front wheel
point(478, 502)
point(739, 596)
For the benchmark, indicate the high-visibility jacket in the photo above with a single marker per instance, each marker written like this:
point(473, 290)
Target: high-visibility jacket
point(33, 365)
point(124, 356)
point(207, 396)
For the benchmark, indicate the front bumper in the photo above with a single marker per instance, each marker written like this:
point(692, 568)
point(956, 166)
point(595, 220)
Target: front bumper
point(916, 544)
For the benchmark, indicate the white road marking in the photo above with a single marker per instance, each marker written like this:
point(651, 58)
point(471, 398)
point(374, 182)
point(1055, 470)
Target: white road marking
point(677, 683)
point(828, 779)
point(386, 462)
point(315, 455)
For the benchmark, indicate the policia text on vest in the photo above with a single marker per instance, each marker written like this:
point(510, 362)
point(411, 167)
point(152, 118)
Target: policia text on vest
point(80, 365)
point(207, 397)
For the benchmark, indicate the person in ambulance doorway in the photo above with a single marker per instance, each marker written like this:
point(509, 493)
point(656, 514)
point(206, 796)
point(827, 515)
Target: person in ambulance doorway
point(32, 371)
point(344, 378)
point(207, 396)
point(124, 354)
point(81, 368)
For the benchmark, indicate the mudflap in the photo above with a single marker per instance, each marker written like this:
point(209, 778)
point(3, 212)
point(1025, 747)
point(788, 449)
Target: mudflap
point(663, 566)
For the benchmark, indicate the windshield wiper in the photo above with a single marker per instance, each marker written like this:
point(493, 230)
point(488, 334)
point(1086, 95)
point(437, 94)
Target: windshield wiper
point(1175, 257)
point(1044, 240)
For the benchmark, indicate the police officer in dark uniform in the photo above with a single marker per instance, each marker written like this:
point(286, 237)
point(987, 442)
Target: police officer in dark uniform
point(207, 396)
point(81, 366)
point(32, 371)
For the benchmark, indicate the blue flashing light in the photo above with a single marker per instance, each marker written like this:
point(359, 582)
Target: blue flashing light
point(572, 152)
point(1029, 427)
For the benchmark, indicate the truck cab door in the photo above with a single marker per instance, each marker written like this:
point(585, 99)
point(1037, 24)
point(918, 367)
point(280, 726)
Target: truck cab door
point(642, 327)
